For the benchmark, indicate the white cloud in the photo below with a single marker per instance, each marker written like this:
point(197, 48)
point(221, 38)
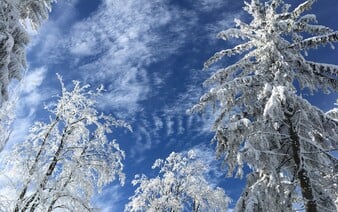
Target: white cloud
point(115, 46)
point(120, 37)
point(169, 122)
point(30, 99)
point(33, 80)
point(164, 128)
point(209, 5)
point(109, 199)
point(84, 48)
point(157, 122)
point(124, 90)
point(169, 125)
point(31, 94)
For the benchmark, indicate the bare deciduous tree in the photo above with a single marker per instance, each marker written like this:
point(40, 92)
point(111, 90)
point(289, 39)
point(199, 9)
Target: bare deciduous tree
point(180, 186)
point(64, 162)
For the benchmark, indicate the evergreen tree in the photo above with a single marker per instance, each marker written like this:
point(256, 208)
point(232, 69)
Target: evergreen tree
point(14, 37)
point(262, 121)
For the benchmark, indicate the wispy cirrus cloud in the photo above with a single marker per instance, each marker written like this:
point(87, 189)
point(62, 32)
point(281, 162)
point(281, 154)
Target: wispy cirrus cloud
point(115, 46)
point(164, 129)
point(125, 38)
point(110, 198)
point(209, 5)
point(30, 100)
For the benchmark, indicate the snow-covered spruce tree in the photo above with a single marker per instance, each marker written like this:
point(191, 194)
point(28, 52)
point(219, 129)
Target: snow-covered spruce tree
point(64, 162)
point(14, 38)
point(35, 11)
point(333, 113)
point(262, 122)
point(180, 186)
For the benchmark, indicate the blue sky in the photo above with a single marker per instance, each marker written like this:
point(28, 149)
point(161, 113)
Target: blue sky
point(149, 56)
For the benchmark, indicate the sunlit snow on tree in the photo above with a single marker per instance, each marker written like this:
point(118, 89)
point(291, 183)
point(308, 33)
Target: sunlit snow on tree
point(14, 37)
point(262, 122)
point(180, 186)
point(62, 163)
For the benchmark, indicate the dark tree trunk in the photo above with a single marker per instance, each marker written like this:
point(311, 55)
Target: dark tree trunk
point(33, 167)
point(302, 173)
point(49, 172)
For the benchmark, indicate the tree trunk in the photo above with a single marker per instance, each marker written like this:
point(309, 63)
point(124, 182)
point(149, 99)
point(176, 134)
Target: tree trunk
point(33, 167)
point(302, 173)
point(196, 206)
point(49, 172)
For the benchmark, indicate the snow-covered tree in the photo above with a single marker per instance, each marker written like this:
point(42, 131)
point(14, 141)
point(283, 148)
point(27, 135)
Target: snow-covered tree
point(6, 120)
point(262, 122)
point(35, 11)
point(333, 113)
point(180, 186)
point(62, 163)
point(14, 37)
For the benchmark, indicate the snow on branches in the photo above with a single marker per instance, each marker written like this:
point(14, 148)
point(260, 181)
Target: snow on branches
point(180, 185)
point(14, 38)
point(36, 11)
point(63, 163)
point(262, 122)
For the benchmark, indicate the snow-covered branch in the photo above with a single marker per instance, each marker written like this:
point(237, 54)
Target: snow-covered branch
point(260, 119)
point(65, 162)
point(180, 186)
